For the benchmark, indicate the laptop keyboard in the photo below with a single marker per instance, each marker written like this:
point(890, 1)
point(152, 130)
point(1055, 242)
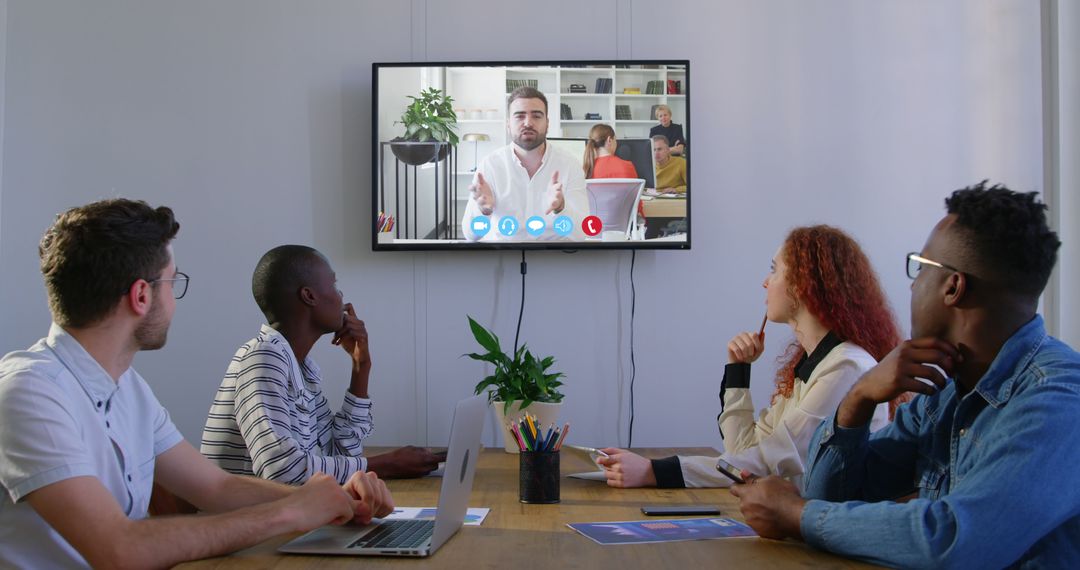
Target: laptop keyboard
point(397, 534)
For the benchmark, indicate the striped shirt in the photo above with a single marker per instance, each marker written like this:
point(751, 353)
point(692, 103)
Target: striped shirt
point(270, 418)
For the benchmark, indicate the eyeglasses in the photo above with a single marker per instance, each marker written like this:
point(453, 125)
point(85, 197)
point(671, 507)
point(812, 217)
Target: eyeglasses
point(180, 284)
point(916, 261)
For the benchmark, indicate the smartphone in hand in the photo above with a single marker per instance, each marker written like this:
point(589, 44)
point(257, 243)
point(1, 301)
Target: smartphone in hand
point(729, 470)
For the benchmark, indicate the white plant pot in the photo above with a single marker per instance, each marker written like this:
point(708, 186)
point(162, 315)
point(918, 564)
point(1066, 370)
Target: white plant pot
point(546, 414)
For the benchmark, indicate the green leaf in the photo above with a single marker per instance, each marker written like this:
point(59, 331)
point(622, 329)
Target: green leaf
point(489, 357)
point(488, 381)
point(483, 337)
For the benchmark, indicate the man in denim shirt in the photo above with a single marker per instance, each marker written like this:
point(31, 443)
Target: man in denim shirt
point(992, 454)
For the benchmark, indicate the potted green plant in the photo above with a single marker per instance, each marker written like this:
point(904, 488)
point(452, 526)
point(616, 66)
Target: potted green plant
point(520, 383)
point(429, 120)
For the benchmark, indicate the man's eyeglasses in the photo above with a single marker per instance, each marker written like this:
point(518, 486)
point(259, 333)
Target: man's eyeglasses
point(180, 284)
point(915, 262)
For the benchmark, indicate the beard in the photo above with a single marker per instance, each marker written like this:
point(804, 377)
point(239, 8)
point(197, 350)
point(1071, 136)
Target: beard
point(538, 139)
point(153, 330)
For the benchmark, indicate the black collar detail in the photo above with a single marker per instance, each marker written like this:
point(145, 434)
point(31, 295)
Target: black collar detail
point(807, 364)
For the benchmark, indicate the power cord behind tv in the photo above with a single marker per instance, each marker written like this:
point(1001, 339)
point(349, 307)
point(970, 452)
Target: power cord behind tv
point(633, 311)
point(633, 364)
point(521, 312)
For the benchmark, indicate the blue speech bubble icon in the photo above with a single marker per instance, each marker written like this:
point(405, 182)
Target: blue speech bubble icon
point(508, 226)
point(563, 225)
point(480, 226)
point(535, 225)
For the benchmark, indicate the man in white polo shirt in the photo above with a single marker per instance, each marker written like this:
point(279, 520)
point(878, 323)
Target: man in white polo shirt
point(83, 439)
point(526, 180)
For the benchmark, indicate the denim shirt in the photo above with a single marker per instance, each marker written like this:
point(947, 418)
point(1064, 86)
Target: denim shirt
point(997, 471)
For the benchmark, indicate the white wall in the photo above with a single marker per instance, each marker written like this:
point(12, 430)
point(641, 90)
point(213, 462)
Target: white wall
point(1065, 167)
point(3, 67)
point(252, 120)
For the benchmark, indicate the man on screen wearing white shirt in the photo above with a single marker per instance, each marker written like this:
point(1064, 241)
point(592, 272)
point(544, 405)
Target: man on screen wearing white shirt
point(526, 179)
point(83, 439)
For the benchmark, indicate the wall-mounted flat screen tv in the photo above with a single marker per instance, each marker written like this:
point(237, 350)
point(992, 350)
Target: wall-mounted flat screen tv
point(562, 155)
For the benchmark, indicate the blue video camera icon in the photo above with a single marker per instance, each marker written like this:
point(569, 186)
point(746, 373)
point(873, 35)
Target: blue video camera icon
point(480, 226)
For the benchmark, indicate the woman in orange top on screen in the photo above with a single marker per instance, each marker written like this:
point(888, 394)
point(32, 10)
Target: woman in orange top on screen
point(601, 162)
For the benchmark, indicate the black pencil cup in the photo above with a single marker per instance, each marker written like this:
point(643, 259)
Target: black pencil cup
point(538, 477)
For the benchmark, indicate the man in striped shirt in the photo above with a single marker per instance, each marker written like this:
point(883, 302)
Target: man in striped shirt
point(269, 417)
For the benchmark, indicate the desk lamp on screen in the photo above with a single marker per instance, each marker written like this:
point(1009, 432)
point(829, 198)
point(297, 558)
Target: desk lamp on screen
point(476, 138)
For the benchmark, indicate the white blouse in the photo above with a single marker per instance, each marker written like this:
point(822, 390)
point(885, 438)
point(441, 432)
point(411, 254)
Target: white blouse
point(777, 442)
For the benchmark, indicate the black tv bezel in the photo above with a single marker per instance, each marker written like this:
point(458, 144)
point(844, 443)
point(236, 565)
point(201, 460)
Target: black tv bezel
point(524, 245)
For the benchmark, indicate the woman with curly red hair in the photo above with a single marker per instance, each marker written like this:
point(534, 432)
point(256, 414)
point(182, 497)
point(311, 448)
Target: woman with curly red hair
point(823, 286)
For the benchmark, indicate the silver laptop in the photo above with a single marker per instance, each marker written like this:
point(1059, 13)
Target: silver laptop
point(414, 537)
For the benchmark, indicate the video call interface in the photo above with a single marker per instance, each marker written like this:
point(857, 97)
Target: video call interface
point(579, 153)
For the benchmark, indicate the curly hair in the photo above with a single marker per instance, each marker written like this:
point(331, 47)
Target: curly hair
point(828, 273)
point(1005, 235)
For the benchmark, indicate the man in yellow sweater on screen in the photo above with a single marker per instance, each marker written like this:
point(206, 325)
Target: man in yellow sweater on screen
point(670, 170)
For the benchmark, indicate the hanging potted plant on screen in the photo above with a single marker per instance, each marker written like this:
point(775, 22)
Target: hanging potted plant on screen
point(429, 120)
point(520, 383)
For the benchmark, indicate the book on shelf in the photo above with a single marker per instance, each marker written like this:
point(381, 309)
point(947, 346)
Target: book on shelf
point(603, 85)
point(622, 113)
point(512, 84)
point(565, 113)
point(655, 87)
point(631, 91)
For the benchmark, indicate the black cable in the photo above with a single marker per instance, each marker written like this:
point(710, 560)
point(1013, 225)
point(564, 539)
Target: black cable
point(633, 365)
point(521, 312)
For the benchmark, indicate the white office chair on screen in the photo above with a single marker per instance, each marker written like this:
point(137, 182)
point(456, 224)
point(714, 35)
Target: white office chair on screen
point(615, 202)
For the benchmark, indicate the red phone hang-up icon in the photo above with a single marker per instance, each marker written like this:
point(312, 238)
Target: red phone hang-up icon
point(592, 226)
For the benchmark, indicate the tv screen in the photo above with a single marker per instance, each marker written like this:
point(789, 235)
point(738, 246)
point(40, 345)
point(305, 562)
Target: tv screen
point(531, 155)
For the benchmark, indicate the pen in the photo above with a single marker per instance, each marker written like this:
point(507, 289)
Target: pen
point(532, 426)
point(525, 435)
point(764, 320)
point(589, 450)
point(517, 435)
point(565, 429)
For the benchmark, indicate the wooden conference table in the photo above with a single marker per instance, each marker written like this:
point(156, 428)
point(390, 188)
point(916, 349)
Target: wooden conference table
point(517, 535)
